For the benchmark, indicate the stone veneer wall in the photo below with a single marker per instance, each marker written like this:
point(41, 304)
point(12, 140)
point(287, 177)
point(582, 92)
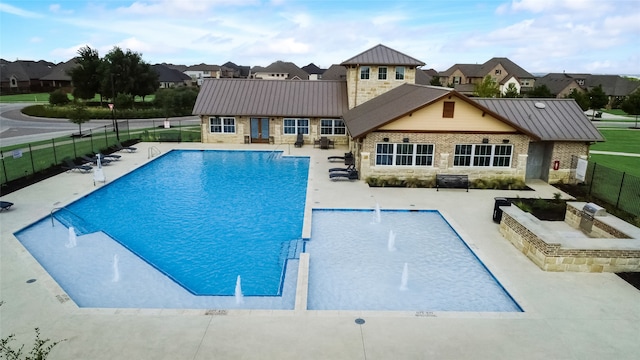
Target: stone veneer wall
point(243, 128)
point(360, 91)
point(599, 230)
point(444, 148)
point(551, 257)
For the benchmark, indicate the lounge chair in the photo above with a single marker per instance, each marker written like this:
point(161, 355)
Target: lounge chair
point(299, 140)
point(94, 160)
point(347, 157)
point(70, 166)
point(350, 167)
point(113, 157)
point(5, 205)
point(351, 175)
point(119, 147)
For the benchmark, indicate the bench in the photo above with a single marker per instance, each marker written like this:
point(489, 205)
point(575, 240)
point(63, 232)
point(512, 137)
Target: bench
point(452, 181)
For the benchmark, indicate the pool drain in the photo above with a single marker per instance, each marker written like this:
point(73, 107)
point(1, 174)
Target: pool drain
point(359, 321)
point(31, 281)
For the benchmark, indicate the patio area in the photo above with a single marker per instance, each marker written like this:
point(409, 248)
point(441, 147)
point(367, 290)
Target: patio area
point(566, 315)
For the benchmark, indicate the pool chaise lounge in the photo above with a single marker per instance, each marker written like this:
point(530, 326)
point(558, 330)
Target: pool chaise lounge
point(350, 167)
point(70, 166)
point(119, 147)
point(5, 205)
point(94, 160)
point(347, 158)
point(350, 175)
point(114, 157)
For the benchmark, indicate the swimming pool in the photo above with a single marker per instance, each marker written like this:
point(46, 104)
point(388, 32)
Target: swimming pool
point(204, 217)
point(396, 260)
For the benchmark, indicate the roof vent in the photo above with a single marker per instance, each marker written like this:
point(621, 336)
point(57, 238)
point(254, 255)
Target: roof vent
point(540, 105)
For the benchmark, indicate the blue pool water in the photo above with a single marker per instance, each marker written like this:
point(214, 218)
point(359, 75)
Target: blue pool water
point(354, 265)
point(204, 217)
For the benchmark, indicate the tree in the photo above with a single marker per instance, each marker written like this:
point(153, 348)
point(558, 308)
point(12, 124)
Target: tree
point(126, 73)
point(631, 105)
point(512, 91)
point(581, 98)
point(541, 91)
point(174, 101)
point(435, 81)
point(79, 115)
point(86, 76)
point(487, 88)
point(597, 99)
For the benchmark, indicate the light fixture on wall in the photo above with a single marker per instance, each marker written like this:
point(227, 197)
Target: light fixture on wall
point(405, 140)
point(485, 141)
point(385, 139)
point(505, 141)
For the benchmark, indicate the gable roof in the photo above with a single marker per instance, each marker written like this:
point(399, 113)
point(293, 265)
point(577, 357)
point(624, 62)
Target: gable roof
point(167, 74)
point(335, 72)
point(203, 67)
point(481, 70)
point(60, 71)
point(554, 120)
point(382, 55)
point(284, 67)
point(556, 84)
point(313, 69)
point(246, 97)
point(390, 106)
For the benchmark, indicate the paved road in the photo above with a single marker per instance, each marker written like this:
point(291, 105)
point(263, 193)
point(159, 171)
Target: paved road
point(17, 128)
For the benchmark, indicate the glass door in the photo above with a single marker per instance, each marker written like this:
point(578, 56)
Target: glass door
point(259, 130)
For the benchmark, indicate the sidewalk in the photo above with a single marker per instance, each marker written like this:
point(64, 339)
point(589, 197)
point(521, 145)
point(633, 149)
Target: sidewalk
point(613, 153)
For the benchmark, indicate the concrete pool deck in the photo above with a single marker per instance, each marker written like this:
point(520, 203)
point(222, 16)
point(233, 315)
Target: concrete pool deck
point(566, 315)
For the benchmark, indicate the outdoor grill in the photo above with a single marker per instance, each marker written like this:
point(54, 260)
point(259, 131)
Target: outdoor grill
point(589, 211)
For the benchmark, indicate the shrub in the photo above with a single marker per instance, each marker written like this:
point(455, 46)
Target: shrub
point(59, 98)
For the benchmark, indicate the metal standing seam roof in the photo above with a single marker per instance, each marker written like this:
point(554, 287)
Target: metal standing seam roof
point(549, 119)
point(382, 55)
point(252, 97)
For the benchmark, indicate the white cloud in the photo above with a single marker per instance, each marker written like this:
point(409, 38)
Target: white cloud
point(9, 9)
point(57, 9)
point(35, 39)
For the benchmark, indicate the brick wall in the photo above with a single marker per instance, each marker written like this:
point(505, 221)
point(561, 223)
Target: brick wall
point(563, 151)
point(360, 91)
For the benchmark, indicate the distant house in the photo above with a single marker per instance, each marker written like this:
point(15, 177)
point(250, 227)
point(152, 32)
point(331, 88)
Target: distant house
point(59, 76)
point(398, 128)
point(315, 73)
point(463, 77)
point(560, 85)
point(24, 76)
point(202, 71)
point(279, 70)
point(170, 78)
point(231, 70)
point(616, 87)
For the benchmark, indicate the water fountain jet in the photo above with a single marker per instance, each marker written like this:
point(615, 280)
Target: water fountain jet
point(238, 293)
point(72, 238)
point(116, 270)
point(391, 243)
point(405, 277)
point(376, 214)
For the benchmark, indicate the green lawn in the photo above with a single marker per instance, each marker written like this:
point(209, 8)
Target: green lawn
point(619, 140)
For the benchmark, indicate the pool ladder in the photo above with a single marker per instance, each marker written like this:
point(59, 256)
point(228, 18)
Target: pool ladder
point(153, 152)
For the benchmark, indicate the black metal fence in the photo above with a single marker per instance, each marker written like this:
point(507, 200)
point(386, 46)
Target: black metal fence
point(36, 160)
point(618, 188)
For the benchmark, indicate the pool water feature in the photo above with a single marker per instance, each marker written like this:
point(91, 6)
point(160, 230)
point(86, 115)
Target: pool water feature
point(201, 218)
point(430, 268)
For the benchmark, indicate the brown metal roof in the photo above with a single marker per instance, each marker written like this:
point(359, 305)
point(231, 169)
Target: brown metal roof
point(390, 106)
point(549, 119)
point(382, 55)
point(245, 97)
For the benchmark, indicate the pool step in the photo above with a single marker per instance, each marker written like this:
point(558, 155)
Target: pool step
point(69, 219)
point(290, 250)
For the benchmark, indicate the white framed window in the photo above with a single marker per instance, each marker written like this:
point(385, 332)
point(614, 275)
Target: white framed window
point(483, 155)
point(222, 125)
point(364, 72)
point(399, 72)
point(332, 127)
point(404, 154)
point(498, 72)
point(457, 80)
point(296, 126)
point(382, 73)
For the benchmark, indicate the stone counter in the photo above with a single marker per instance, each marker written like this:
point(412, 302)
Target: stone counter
point(552, 250)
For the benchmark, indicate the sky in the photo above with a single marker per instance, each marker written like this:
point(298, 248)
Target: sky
point(542, 36)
